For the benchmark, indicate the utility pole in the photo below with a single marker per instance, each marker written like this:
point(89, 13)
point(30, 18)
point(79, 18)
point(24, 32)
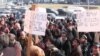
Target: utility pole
point(88, 4)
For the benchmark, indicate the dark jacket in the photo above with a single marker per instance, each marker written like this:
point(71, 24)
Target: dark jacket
point(16, 33)
point(67, 47)
point(71, 34)
point(86, 49)
point(54, 40)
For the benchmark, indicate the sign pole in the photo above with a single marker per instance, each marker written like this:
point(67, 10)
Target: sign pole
point(88, 5)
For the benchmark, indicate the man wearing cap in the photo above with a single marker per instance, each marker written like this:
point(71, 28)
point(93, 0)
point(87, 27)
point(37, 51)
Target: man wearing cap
point(95, 49)
point(85, 45)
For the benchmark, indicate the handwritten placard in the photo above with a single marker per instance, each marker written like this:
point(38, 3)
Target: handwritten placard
point(88, 21)
point(37, 21)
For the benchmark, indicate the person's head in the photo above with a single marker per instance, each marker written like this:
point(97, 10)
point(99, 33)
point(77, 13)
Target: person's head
point(47, 39)
point(52, 26)
point(70, 26)
point(4, 40)
point(12, 39)
point(7, 31)
point(17, 25)
point(2, 22)
point(22, 35)
point(12, 23)
point(37, 39)
point(63, 34)
point(83, 39)
point(96, 48)
point(69, 21)
point(12, 16)
point(75, 43)
point(63, 37)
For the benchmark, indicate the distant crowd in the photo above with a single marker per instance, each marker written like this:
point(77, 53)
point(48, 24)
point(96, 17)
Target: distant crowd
point(61, 39)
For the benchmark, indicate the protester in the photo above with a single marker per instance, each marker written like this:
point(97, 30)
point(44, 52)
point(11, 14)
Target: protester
point(15, 44)
point(85, 46)
point(4, 41)
point(9, 47)
point(16, 29)
point(76, 50)
point(22, 39)
point(95, 49)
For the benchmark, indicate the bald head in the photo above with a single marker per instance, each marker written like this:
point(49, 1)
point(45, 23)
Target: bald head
point(17, 26)
point(22, 35)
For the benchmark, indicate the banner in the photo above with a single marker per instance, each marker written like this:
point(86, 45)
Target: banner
point(88, 21)
point(35, 22)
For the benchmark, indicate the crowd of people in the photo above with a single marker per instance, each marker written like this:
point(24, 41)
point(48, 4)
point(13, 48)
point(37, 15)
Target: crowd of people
point(61, 39)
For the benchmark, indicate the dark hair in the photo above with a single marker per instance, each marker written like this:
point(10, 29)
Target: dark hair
point(76, 40)
point(69, 20)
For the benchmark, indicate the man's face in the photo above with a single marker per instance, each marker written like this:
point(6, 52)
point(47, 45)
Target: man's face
point(95, 50)
point(22, 35)
point(52, 27)
point(2, 22)
point(82, 40)
point(17, 26)
point(12, 40)
point(63, 35)
point(75, 43)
